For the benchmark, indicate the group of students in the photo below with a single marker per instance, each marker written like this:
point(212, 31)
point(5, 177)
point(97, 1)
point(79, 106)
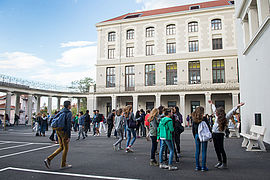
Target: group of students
point(164, 125)
point(41, 124)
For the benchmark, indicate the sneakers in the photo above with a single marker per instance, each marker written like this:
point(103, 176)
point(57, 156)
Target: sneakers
point(204, 169)
point(223, 166)
point(47, 163)
point(128, 149)
point(119, 148)
point(198, 168)
point(218, 164)
point(153, 163)
point(66, 166)
point(172, 168)
point(163, 166)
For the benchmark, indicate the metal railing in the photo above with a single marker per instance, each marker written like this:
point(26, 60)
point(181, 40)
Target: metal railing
point(27, 84)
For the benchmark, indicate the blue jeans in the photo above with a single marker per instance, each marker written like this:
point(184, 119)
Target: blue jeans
point(198, 149)
point(129, 131)
point(163, 143)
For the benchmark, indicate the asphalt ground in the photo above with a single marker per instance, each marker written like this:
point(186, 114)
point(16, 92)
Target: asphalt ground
point(22, 155)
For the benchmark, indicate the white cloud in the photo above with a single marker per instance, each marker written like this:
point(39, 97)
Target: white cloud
point(78, 57)
point(74, 64)
point(20, 61)
point(155, 4)
point(77, 43)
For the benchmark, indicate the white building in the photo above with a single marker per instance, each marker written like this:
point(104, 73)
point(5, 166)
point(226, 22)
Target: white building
point(184, 56)
point(253, 45)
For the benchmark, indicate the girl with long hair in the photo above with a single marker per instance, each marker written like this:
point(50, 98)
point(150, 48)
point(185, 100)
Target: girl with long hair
point(153, 135)
point(198, 117)
point(131, 125)
point(219, 127)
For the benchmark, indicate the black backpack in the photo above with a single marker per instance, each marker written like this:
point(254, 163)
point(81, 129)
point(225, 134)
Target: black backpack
point(131, 121)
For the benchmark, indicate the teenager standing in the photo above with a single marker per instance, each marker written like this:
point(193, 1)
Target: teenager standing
point(219, 127)
point(164, 133)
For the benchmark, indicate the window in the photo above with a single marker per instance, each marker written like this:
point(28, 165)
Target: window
point(150, 50)
point(171, 74)
point(218, 71)
point(220, 104)
point(193, 27)
point(171, 29)
point(216, 24)
point(150, 105)
point(194, 105)
point(111, 36)
point(171, 104)
point(194, 72)
point(171, 48)
point(194, 7)
point(130, 78)
point(193, 46)
point(133, 16)
point(217, 43)
point(130, 51)
point(150, 31)
point(111, 53)
point(150, 75)
point(110, 77)
point(130, 34)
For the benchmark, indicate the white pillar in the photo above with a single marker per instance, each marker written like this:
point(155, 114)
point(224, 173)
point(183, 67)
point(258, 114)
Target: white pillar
point(17, 106)
point(50, 105)
point(78, 105)
point(182, 108)
point(246, 32)
point(90, 103)
point(58, 103)
point(29, 108)
point(158, 97)
point(114, 102)
point(235, 99)
point(135, 103)
point(263, 10)
point(253, 21)
point(8, 104)
point(38, 104)
point(207, 105)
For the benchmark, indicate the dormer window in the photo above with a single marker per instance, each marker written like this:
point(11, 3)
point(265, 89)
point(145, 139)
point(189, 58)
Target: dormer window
point(132, 16)
point(194, 7)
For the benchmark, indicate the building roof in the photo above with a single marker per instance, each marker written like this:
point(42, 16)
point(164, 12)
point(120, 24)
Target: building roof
point(202, 5)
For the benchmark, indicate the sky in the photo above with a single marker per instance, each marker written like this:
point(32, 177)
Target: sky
point(55, 41)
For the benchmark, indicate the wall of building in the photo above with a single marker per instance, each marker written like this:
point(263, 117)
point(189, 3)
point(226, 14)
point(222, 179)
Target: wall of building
point(254, 73)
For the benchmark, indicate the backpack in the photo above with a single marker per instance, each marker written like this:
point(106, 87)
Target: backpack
point(204, 132)
point(131, 121)
point(59, 121)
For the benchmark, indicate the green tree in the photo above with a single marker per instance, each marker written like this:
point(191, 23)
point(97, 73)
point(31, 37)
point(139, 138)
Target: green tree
point(83, 86)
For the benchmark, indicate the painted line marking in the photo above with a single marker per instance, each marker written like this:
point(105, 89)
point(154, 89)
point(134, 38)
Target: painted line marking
point(65, 174)
point(11, 147)
point(18, 142)
point(27, 151)
point(3, 143)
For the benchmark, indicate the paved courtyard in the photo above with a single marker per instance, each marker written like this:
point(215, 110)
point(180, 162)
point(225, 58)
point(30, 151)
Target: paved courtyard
point(22, 155)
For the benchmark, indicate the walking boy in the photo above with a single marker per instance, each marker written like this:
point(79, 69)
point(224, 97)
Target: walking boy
point(64, 117)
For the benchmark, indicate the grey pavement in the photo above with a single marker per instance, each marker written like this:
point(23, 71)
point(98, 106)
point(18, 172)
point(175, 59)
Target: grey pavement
point(94, 158)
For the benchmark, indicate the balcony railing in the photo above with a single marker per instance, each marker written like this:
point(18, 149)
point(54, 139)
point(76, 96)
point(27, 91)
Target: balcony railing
point(14, 82)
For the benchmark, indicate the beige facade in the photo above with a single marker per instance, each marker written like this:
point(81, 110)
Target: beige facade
point(182, 91)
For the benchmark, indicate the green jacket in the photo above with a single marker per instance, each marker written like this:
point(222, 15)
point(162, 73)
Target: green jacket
point(165, 129)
